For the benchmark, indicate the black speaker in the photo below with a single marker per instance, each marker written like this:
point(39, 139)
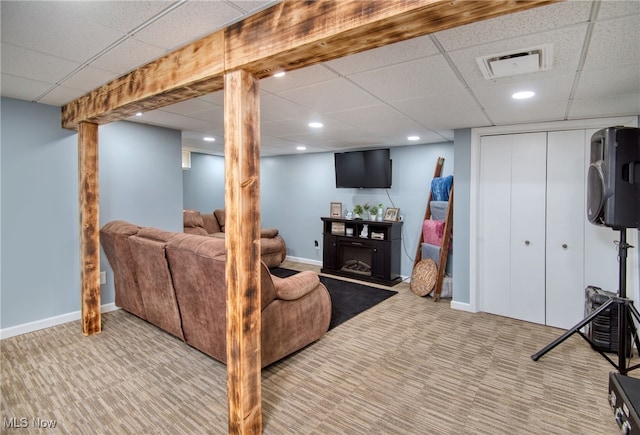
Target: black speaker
point(613, 178)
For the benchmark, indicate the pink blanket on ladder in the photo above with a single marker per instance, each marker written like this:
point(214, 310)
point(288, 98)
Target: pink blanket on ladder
point(433, 231)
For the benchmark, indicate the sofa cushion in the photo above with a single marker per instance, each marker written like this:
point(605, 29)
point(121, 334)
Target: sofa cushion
point(219, 214)
point(268, 232)
point(154, 279)
point(210, 223)
point(198, 270)
point(295, 286)
point(114, 238)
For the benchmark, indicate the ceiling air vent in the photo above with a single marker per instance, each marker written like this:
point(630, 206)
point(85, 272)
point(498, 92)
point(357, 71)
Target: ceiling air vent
point(516, 62)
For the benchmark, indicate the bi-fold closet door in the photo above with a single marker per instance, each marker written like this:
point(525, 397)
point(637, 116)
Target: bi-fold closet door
point(531, 226)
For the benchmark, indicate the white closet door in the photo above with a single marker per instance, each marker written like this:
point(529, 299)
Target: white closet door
point(528, 176)
point(494, 221)
point(512, 225)
point(566, 214)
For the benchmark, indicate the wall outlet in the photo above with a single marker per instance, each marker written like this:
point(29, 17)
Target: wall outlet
point(103, 277)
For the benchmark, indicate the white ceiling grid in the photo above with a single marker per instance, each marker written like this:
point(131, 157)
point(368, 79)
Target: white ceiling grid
point(56, 51)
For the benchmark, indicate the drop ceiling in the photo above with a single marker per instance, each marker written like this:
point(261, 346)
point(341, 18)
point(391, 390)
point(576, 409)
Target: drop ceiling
point(56, 51)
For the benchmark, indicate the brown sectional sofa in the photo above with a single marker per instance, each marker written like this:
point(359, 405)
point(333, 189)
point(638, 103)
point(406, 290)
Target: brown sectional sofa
point(176, 281)
point(273, 249)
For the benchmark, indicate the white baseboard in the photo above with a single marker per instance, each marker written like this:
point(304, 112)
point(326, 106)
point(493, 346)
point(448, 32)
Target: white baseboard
point(462, 306)
point(49, 322)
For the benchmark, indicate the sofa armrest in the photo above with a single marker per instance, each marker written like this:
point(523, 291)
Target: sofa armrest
point(295, 286)
point(268, 233)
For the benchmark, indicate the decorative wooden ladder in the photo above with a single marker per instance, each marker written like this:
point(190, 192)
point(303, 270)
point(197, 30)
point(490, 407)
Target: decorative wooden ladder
point(446, 238)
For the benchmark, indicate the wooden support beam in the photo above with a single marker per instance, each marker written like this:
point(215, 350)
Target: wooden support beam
point(294, 34)
point(89, 227)
point(242, 234)
point(189, 72)
point(289, 35)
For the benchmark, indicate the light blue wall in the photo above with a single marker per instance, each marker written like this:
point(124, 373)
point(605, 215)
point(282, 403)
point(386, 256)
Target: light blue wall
point(461, 206)
point(296, 191)
point(140, 181)
point(204, 183)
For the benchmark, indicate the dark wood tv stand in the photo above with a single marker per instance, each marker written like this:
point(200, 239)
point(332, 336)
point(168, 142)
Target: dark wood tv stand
point(374, 258)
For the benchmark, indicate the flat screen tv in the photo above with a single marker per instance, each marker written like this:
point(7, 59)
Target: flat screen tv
point(363, 169)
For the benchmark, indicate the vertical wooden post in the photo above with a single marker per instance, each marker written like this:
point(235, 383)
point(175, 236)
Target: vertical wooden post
point(89, 227)
point(242, 229)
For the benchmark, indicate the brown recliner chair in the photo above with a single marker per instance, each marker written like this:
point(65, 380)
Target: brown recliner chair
point(295, 311)
point(114, 238)
point(273, 249)
point(154, 279)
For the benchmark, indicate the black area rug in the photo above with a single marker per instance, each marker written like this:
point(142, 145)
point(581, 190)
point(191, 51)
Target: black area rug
point(348, 299)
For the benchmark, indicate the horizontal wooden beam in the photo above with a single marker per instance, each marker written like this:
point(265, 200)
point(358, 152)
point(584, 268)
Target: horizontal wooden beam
point(189, 72)
point(295, 34)
point(289, 35)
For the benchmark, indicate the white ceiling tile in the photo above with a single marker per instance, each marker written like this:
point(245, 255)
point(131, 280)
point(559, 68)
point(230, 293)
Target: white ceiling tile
point(252, 5)
point(536, 20)
point(275, 108)
point(214, 117)
point(297, 79)
point(33, 65)
point(330, 96)
point(214, 98)
point(384, 56)
point(282, 128)
point(127, 56)
point(89, 78)
point(528, 111)
point(173, 120)
point(21, 88)
point(321, 142)
point(420, 77)
point(42, 27)
point(615, 43)
point(606, 82)
point(120, 15)
point(566, 55)
point(299, 127)
point(187, 23)
point(618, 8)
point(434, 137)
point(190, 106)
point(61, 95)
point(365, 117)
point(547, 89)
point(618, 105)
point(451, 110)
point(365, 100)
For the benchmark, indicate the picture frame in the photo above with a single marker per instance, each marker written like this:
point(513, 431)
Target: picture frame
point(391, 214)
point(338, 228)
point(336, 210)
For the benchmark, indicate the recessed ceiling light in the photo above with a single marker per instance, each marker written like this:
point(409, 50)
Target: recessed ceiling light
point(316, 125)
point(279, 74)
point(139, 114)
point(301, 147)
point(413, 138)
point(209, 139)
point(523, 95)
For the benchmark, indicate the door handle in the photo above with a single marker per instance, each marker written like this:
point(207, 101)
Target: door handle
point(526, 242)
point(564, 246)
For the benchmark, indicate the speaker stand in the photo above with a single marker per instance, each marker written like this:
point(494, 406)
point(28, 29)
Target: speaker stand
point(627, 317)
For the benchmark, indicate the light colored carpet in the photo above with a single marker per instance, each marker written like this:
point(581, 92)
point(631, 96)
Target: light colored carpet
point(406, 366)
